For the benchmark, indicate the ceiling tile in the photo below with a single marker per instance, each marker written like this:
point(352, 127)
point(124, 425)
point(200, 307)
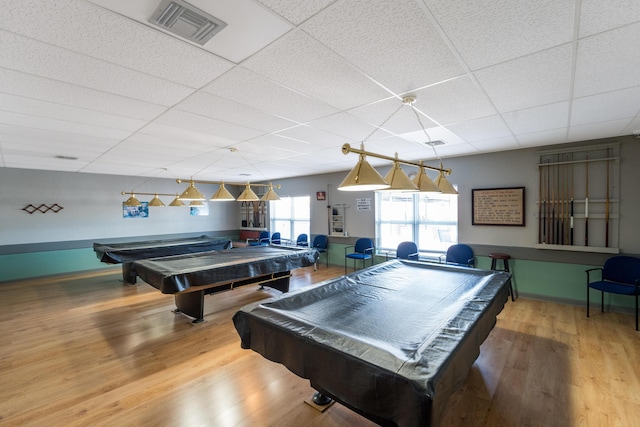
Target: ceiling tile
point(257, 91)
point(206, 125)
point(453, 101)
point(597, 130)
point(537, 79)
point(44, 60)
point(216, 107)
point(494, 144)
point(69, 114)
point(302, 64)
point(546, 137)
point(29, 121)
point(409, 51)
point(597, 16)
point(345, 125)
point(552, 116)
point(250, 25)
point(101, 34)
point(481, 129)
point(312, 136)
point(608, 61)
point(34, 87)
point(296, 11)
point(490, 32)
point(621, 104)
point(392, 116)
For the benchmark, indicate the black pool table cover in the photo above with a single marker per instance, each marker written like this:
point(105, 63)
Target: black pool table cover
point(179, 273)
point(391, 342)
point(117, 253)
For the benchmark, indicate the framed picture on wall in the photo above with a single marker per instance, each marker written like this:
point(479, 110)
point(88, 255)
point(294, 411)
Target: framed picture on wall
point(498, 206)
point(141, 211)
point(321, 195)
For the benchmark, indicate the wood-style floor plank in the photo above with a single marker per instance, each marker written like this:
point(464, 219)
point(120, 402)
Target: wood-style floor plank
point(87, 350)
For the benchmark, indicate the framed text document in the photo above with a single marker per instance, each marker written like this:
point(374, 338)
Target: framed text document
point(498, 206)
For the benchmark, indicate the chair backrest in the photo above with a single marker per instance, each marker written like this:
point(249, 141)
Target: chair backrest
point(302, 240)
point(320, 242)
point(362, 245)
point(407, 250)
point(622, 269)
point(275, 238)
point(460, 254)
point(263, 237)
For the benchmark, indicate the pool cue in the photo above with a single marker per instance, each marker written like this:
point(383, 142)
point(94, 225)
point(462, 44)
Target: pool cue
point(548, 213)
point(540, 205)
point(552, 224)
point(560, 206)
point(606, 207)
point(571, 207)
point(562, 196)
point(586, 205)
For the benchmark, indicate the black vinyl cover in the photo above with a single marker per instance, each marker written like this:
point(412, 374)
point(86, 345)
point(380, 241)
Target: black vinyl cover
point(178, 273)
point(117, 253)
point(391, 342)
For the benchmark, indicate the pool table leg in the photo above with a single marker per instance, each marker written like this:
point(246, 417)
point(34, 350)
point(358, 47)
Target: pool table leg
point(128, 273)
point(321, 399)
point(191, 304)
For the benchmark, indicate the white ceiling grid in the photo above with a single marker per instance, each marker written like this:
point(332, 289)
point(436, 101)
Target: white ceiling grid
point(278, 91)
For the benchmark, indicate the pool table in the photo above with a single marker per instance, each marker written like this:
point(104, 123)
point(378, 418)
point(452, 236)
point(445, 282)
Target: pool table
point(391, 342)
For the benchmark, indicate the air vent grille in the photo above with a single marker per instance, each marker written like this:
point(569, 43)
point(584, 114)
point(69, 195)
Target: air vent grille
point(434, 143)
point(186, 21)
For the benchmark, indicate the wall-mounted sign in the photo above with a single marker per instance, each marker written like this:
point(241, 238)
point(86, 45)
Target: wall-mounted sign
point(498, 206)
point(363, 204)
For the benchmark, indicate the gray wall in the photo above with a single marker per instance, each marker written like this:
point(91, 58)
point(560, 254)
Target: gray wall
point(93, 208)
point(92, 203)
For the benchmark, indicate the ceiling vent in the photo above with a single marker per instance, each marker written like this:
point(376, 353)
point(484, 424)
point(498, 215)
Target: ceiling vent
point(186, 21)
point(434, 143)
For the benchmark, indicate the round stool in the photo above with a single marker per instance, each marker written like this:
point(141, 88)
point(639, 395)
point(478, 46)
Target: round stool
point(505, 267)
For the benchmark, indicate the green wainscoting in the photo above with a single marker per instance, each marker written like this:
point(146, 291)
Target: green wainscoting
point(38, 264)
point(561, 282)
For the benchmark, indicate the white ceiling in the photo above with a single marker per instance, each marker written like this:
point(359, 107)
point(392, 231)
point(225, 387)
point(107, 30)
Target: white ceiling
point(279, 90)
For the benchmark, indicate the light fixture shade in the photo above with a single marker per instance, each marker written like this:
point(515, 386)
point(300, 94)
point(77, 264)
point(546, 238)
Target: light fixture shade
point(222, 194)
point(192, 193)
point(248, 195)
point(132, 201)
point(177, 202)
point(424, 183)
point(398, 180)
point(443, 183)
point(270, 194)
point(363, 177)
point(156, 201)
point(196, 203)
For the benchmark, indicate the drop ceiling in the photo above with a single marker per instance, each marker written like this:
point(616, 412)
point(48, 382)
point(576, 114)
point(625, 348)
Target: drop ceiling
point(91, 86)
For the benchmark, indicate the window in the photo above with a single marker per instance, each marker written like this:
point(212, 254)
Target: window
point(291, 216)
point(429, 219)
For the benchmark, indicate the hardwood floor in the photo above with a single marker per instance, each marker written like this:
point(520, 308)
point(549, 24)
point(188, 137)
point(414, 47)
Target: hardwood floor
point(87, 350)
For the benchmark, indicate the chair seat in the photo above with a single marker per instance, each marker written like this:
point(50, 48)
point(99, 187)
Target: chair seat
point(359, 256)
point(614, 287)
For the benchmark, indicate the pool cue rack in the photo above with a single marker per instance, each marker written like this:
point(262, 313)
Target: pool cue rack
point(578, 206)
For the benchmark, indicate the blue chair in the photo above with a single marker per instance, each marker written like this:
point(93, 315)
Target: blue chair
point(407, 250)
point(619, 275)
point(363, 249)
point(302, 240)
point(460, 254)
point(276, 239)
point(262, 240)
point(321, 243)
